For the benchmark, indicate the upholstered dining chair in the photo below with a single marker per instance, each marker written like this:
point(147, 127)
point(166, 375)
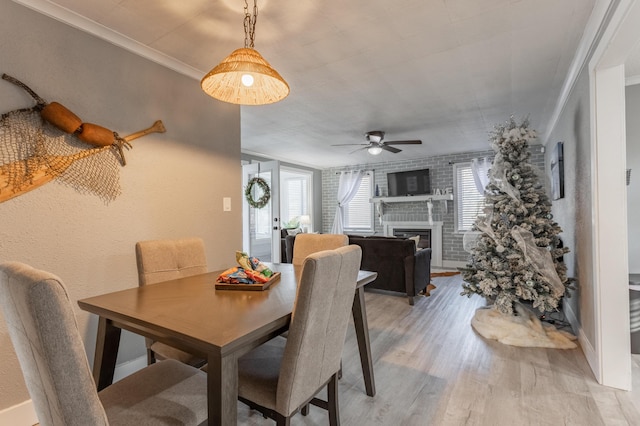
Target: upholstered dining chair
point(44, 332)
point(282, 376)
point(164, 260)
point(305, 244)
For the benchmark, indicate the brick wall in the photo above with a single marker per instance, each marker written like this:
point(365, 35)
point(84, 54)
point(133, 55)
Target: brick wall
point(441, 175)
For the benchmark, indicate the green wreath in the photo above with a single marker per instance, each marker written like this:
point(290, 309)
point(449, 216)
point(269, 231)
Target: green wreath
point(266, 193)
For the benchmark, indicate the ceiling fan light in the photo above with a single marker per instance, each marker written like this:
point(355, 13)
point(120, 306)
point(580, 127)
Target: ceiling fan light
point(225, 81)
point(374, 150)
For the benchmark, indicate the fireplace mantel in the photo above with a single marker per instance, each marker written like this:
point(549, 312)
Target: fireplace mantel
point(436, 236)
point(412, 198)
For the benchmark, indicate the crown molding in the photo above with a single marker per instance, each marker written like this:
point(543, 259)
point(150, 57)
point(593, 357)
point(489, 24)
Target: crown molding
point(632, 80)
point(82, 23)
point(600, 15)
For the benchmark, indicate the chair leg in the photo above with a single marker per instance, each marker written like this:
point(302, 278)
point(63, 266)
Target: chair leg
point(332, 400)
point(151, 357)
point(282, 420)
point(305, 410)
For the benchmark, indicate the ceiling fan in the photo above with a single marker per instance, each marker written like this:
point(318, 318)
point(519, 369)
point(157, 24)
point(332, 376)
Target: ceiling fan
point(375, 144)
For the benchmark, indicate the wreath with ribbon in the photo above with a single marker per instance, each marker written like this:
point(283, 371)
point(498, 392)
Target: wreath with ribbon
point(266, 192)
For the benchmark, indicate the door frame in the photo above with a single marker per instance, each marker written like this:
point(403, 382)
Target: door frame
point(608, 144)
point(255, 169)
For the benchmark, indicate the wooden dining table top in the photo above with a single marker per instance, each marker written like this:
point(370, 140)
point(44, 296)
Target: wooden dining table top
point(218, 325)
point(193, 311)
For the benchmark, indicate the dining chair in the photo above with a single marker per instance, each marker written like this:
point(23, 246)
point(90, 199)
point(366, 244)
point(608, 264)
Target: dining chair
point(164, 260)
point(305, 244)
point(45, 335)
point(282, 376)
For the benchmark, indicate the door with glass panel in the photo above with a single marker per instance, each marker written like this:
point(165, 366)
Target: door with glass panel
point(261, 225)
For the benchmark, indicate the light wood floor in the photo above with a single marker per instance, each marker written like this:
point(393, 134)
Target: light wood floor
point(431, 368)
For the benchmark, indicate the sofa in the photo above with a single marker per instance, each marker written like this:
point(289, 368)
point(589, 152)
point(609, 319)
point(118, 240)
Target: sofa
point(286, 249)
point(400, 266)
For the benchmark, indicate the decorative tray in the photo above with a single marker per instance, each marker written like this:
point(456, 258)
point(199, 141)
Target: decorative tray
point(249, 287)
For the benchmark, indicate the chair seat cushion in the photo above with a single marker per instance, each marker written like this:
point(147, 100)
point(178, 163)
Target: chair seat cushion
point(258, 373)
point(175, 393)
point(163, 351)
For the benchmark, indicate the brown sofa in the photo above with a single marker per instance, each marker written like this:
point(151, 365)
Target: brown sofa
point(399, 266)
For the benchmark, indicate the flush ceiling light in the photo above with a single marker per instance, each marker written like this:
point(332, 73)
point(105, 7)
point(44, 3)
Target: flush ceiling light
point(374, 150)
point(245, 77)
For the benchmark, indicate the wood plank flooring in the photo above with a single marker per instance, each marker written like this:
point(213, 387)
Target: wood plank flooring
point(431, 368)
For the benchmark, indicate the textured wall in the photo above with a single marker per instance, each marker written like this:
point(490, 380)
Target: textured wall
point(441, 175)
point(633, 162)
point(172, 186)
point(574, 211)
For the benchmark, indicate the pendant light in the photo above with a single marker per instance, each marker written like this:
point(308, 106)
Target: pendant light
point(245, 77)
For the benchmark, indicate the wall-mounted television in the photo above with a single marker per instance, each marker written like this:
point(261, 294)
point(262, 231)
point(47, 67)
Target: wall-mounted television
point(412, 182)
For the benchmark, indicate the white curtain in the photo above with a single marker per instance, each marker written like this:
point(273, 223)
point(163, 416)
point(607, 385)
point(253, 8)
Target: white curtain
point(348, 186)
point(480, 169)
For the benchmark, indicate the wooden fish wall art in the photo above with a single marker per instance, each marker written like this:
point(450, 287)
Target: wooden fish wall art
point(47, 141)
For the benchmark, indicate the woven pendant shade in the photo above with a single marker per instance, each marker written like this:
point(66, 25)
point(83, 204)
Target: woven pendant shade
point(224, 82)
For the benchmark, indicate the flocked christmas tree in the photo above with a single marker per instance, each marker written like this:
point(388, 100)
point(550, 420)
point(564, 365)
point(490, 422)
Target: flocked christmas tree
point(517, 256)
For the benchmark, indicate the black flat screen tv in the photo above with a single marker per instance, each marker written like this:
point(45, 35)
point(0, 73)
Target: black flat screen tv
point(413, 182)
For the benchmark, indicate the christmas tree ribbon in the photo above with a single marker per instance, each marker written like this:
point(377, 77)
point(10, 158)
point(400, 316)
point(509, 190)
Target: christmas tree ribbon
point(539, 258)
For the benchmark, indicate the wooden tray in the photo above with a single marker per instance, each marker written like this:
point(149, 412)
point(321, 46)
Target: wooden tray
point(249, 287)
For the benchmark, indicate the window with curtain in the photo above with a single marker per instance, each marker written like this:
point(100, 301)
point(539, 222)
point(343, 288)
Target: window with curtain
point(358, 214)
point(469, 202)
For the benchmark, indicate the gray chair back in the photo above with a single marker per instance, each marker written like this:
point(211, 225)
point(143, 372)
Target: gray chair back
point(305, 244)
point(164, 260)
point(318, 326)
point(45, 335)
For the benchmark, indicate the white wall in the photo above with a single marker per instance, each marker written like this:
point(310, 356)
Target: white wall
point(172, 186)
point(574, 212)
point(633, 163)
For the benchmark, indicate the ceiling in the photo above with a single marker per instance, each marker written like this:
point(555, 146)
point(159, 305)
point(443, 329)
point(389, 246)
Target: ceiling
point(443, 71)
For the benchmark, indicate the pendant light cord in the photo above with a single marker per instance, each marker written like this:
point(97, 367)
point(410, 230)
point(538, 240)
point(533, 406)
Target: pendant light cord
point(250, 23)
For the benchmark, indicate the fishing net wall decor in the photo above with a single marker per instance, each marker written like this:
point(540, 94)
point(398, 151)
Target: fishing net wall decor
point(47, 142)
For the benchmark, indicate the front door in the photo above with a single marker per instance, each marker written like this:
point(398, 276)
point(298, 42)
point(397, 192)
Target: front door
point(261, 225)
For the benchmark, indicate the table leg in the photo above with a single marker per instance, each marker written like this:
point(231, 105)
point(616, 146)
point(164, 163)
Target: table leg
point(104, 361)
point(222, 389)
point(364, 345)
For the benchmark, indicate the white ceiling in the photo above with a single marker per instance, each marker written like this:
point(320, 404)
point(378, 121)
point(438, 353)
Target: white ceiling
point(443, 71)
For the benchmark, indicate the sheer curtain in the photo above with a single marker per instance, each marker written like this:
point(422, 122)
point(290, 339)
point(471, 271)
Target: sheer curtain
point(480, 169)
point(348, 186)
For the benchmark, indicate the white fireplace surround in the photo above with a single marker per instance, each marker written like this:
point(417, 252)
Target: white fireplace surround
point(436, 236)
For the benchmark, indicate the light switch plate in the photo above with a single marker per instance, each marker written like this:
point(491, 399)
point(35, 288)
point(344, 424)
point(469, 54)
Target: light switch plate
point(226, 204)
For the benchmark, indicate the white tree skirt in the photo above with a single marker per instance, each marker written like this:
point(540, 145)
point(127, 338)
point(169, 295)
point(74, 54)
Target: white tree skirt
point(523, 330)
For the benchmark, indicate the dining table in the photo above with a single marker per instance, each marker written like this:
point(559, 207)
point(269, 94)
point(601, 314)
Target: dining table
point(215, 324)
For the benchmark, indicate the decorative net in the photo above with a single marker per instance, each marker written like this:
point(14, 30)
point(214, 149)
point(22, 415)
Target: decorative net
point(33, 151)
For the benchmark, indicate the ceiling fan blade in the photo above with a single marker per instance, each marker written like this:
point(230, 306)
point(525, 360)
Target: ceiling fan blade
point(351, 144)
point(410, 142)
point(360, 149)
point(390, 149)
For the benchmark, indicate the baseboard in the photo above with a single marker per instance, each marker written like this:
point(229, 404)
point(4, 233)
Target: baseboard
point(24, 413)
point(587, 348)
point(127, 368)
point(455, 264)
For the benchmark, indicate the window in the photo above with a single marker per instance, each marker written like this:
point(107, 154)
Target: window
point(358, 214)
point(295, 196)
point(469, 202)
